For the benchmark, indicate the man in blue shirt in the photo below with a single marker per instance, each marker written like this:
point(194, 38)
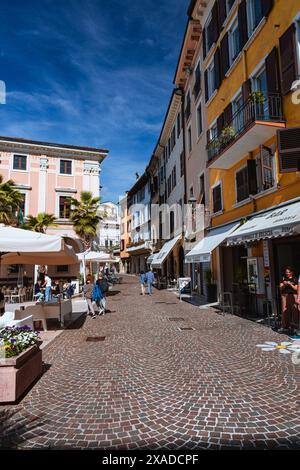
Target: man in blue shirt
point(149, 279)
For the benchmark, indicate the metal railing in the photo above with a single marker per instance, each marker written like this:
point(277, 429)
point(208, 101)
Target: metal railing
point(259, 107)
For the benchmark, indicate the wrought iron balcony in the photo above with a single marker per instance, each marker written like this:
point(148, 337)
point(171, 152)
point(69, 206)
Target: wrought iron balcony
point(251, 125)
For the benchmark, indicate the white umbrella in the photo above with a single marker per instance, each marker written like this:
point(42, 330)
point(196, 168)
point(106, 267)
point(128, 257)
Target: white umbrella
point(24, 241)
point(65, 256)
point(97, 256)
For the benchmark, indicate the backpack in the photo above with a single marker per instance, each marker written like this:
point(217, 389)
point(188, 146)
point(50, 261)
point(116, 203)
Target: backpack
point(96, 294)
point(70, 290)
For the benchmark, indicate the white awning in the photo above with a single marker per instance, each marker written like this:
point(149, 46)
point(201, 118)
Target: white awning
point(202, 251)
point(164, 252)
point(152, 257)
point(281, 222)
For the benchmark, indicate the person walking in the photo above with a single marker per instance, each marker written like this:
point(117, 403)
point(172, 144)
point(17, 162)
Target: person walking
point(142, 282)
point(103, 285)
point(149, 279)
point(288, 289)
point(88, 294)
point(37, 293)
point(48, 288)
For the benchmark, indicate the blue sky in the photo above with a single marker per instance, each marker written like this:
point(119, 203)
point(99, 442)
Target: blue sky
point(95, 72)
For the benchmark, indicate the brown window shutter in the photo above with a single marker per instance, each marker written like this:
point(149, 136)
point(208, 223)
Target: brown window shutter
point(289, 149)
point(217, 63)
point(267, 6)
point(252, 176)
point(206, 85)
point(215, 21)
point(228, 115)
point(246, 90)
point(224, 56)
point(204, 43)
point(220, 123)
point(222, 12)
point(288, 57)
point(242, 18)
point(272, 71)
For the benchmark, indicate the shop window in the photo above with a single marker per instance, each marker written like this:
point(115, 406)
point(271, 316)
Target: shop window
point(20, 162)
point(217, 198)
point(64, 207)
point(65, 167)
point(242, 186)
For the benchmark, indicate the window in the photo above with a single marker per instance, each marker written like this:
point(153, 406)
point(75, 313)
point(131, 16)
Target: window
point(66, 167)
point(259, 83)
point(242, 186)
point(64, 207)
point(106, 243)
point(197, 86)
point(174, 177)
point(22, 204)
point(217, 198)
point(62, 269)
point(199, 120)
point(172, 222)
point(188, 105)
point(178, 125)
point(169, 185)
point(265, 171)
point(173, 138)
point(238, 115)
point(209, 36)
point(202, 190)
point(229, 5)
point(181, 164)
point(234, 41)
point(254, 15)
point(190, 139)
point(20, 162)
point(169, 147)
point(211, 79)
point(213, 132)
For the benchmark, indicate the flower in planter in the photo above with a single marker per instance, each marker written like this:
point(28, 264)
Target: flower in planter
point(257, 97)
point(227, 134)
point(14, 340)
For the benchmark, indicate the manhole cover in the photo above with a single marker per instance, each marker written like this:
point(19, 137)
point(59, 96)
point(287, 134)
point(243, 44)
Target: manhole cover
point(94, 339)
point(186, 328)
point(176, 319)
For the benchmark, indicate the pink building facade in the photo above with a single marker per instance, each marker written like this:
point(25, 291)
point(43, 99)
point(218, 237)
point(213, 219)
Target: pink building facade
point(49, 175)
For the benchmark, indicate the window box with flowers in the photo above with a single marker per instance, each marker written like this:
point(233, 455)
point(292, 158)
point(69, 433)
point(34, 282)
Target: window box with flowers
point(228, 134)
point(20, 361)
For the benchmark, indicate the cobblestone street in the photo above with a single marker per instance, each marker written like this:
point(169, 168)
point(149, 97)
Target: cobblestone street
point(150, 385)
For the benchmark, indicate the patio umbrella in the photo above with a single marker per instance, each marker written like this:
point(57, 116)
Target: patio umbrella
point(97, 256)
point(65, 256)
point(24, 241)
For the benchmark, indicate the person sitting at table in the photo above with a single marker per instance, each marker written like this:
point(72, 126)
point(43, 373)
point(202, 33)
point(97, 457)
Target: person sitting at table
point(48, 288)
point(38, 294)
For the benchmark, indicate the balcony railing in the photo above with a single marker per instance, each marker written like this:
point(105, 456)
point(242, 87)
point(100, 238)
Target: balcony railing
point(259, 107)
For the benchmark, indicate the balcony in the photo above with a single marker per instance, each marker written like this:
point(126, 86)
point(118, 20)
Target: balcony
point(251, 126)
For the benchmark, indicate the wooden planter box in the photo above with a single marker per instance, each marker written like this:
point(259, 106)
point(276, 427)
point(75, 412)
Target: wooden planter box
point(17, 373)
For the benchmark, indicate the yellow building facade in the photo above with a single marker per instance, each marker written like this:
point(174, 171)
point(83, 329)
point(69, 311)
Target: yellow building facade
point(251, 62)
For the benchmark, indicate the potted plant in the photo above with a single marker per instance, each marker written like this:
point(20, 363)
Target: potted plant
point(227, 135)
point(211, 286)
point(20, 361)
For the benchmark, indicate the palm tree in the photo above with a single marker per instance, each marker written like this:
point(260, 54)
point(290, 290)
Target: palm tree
point(40, 223)
point(10, 200)
point(85, 218)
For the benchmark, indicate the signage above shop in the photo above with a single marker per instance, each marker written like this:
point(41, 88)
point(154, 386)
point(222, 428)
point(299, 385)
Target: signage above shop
point(281, 222)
